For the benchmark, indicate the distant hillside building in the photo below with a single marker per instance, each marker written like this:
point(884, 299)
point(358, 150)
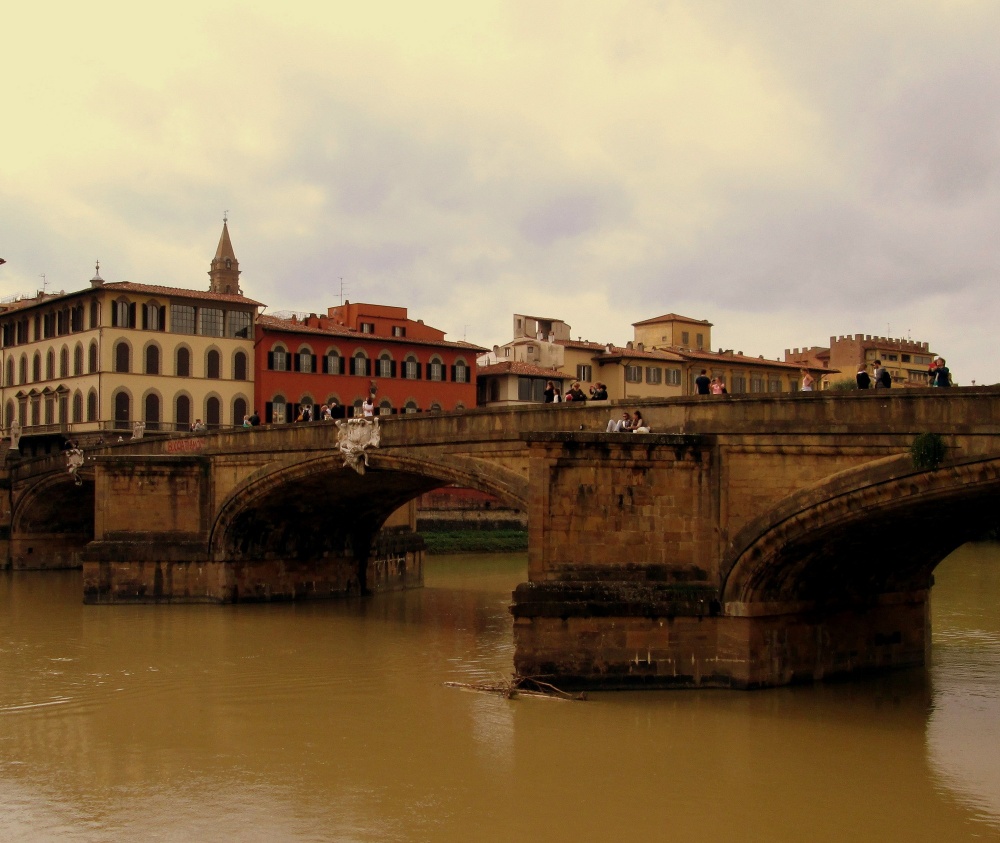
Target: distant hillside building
point(104, 357)
point(340, 357)
point(907, 360)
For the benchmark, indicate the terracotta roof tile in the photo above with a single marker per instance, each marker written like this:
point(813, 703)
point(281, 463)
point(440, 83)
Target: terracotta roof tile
point(516, 367)
point(276, 323)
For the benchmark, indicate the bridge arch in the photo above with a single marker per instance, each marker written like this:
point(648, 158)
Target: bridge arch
point(321, 488)
point(870, 531)
point(53, 520)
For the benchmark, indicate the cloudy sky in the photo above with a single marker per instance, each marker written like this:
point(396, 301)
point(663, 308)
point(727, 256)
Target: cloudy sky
point(786, 170)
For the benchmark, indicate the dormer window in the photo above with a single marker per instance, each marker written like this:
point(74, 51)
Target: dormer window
point(398, 331)
point(367, 327)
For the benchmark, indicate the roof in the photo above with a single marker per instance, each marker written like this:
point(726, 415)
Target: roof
point(516, 367)
point(225, 248)
point(671, 317)
point(128, 287)
point(614, 351)
point(156, 289)
point(744, 359)
point(275, 323)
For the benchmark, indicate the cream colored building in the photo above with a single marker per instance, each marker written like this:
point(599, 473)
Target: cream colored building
point(662, 360)
point(104, 357)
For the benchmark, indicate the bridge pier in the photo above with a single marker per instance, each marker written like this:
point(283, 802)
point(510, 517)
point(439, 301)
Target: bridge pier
point(672, 645)
point(625, 587)
point(162, 570)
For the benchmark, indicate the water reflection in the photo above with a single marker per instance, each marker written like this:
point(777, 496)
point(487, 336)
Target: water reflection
point(331, 721)
point(966, 678)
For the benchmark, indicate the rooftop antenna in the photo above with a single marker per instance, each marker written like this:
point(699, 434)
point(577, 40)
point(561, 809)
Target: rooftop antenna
point(225, 216)
point(44, 282)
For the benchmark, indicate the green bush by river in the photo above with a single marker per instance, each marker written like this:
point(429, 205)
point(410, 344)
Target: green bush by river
point(475, 541)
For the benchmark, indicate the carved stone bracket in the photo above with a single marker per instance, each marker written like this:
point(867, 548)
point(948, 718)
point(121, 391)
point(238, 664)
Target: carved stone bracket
point(354, 438)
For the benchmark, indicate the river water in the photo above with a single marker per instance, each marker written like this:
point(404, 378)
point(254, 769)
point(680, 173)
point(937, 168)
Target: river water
point(331, 722)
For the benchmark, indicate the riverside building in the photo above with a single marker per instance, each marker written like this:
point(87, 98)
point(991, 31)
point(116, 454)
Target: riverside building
point(662, 360)
point(117, 352)
point(355, 351)
point(907, 360)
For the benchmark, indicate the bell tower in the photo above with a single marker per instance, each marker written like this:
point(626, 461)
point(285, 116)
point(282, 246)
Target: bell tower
point(225, 271)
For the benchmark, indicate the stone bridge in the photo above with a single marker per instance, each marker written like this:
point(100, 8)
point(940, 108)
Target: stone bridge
point(748, 541)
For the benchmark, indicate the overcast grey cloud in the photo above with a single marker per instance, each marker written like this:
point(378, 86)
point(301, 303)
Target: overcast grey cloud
point(788, 171)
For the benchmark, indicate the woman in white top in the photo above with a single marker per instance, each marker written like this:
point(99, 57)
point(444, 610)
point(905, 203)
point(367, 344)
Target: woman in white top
point(368, 408)
point(807, 380)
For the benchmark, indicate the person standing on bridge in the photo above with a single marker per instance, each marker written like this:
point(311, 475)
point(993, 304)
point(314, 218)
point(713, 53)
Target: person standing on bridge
point(863, 378)
point(368, 408)
point(255, 419)
point(808, 381)
point(702, 383)
point(549, 395)
point(942, 377)
point(883, 380)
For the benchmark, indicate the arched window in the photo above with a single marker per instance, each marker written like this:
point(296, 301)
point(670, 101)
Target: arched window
point(10, 372)
point(277, 359)
point(50, 365)
point(78, 406)
point(122, 357)
point(78, 360)
point(333, 363)
point(435, 369)
point(360, 364)
point(92, 405)
point(64, 362)
point(239, 373)
point(36, 367)
point(153, 316)
point(123, 410)
point(460, 371)
point(213, 364)
point(36, 409)
point(411, 368)
point(182, 412)
point(239, 410)
point(123, 314)
point(276, 411)
point(95, 314)
point(213, 412)
point(92, 359)
point(50, 409)
point(24, 368)
point(411, 407)
point(152, 360)
point(385, 407)
point(151, 411)
point(183, 362)
point(386, 366)
point(9, 414)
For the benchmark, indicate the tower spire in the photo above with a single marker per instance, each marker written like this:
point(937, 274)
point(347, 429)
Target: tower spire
point(225, 270)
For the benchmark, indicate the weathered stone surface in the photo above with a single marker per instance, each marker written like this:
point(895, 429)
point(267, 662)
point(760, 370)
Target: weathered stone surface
point(748, 541)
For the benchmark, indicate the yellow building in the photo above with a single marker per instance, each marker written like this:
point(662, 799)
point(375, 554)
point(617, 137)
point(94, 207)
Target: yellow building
point(663, 360)
point(106, 356)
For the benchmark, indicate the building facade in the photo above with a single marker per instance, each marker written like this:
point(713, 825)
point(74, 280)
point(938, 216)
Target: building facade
point(106, 356)
point(907, 360)
point(665, 356)
point(355, 351)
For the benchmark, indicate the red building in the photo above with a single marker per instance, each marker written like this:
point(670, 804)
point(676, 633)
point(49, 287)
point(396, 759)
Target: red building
point(339, 359)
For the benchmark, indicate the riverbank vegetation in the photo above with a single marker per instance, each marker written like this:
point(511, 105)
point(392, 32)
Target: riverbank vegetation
point(475, 541)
